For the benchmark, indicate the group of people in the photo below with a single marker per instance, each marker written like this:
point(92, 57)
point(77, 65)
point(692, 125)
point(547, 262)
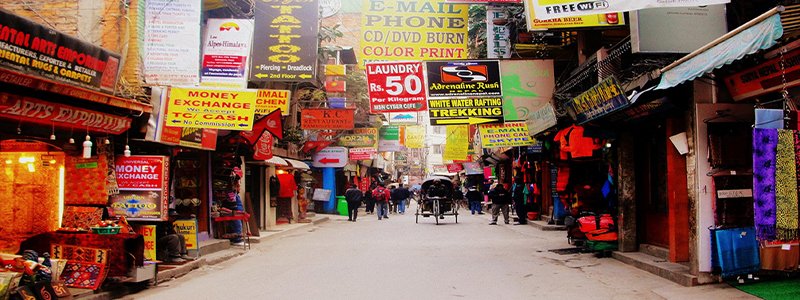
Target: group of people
point(385, 200)
point(501, 197)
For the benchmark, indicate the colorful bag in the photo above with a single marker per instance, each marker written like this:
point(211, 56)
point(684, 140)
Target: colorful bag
point(592, 223)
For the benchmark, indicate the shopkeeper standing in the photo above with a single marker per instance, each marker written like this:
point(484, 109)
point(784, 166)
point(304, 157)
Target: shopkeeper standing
point(234, 203)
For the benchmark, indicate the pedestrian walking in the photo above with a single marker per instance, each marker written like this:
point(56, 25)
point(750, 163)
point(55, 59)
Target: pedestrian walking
point(369, 202)
point(501, 198)
point(353, 196)
point(399, 196)
point(518, 196)
point(381, 196)
point(392, 201)
point(474, 198)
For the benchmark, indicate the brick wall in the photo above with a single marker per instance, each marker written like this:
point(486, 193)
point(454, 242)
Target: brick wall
point(61, 15)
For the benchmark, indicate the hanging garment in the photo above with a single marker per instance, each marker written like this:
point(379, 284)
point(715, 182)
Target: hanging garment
point(786, 186)
point(274, 186)
point(562, 178)
point(765, 143)
point(288, 185)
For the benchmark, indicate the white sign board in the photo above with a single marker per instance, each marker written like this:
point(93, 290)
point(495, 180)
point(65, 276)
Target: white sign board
point(676, 29)
point(172, 42)
point(331, 157)
point(550, 9)
point(321, 195)
point(729, 194)
point(225, 53)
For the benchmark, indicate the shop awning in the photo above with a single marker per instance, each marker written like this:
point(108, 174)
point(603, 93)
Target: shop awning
point(758, 34)
point(297, 164)
point(275, 160)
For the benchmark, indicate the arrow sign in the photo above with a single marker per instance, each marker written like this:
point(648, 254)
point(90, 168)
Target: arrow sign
point(331, 157)
point(471, 121)
point(329, 160)
point(262, 75)
point(305, 76)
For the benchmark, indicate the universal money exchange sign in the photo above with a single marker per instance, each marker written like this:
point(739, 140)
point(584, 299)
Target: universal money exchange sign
point(285, 44)
point(204, 108)
point(413, 30)
point(509, 134)
point(143, 186)
point(465, 111)
point(396, 87)
point(464, 78)
point(549, 9)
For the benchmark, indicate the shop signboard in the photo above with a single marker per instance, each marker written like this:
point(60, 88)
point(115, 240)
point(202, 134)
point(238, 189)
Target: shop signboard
point(330, 157)
point(766, 77)
point(413, 30)
point(473, 168)
point(225, 51)
point(457, 143)
point(327, 119)
point(454, 168)
point(439, 169)
point(676, 29)
point(285, 43)
point(365, 153)
point(143, 187)
point(321, 195)
point(602, 99)
point(485, 1)
point(589, 20)
point(498, 42)
point(468, 78)
point(32, 110)
point(404, 118)
point(370, 131)
point(389, 139)
point(528, 86)
point(187, 228)
point(172, 42)
point(358, 140)
point(508, 134)
point(549, 9)
point(207, 108)
point(37, 49)
point(335, 70)
point(541, 119)
point(268, 101)
point(148, 232)
point(396, 87)
point(415, 137)
point(465, 111)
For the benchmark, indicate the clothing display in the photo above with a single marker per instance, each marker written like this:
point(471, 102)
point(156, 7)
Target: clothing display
point(779, 258)
point(765, 143)
point(575, 144)
point(287, 185)
point(786, 187)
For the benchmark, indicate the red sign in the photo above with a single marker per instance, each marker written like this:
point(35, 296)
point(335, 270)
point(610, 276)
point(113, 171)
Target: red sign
point(396, 87)
point(766, 77)
point(140, 172)
point(263, 148)
point(362, 153)
point(327, 119)
point(143, 181)
point(32, 110)
point(454, 168)
point(364, 184)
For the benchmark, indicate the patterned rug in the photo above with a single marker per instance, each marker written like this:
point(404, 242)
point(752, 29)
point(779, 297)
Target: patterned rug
point(84, 275)
point(81, 216)
point(82, 254)
point(765, 143)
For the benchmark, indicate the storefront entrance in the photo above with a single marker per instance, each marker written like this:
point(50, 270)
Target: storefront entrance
point(651, 184)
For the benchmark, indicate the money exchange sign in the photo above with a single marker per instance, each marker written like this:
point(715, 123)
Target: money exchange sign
point(285, 44)
point(463, 78)
point(203, 108)
point(413, 30)
point(396, 87)
point(465, 111)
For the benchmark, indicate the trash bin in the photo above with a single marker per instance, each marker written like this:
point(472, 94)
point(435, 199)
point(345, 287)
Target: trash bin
point(341, 205)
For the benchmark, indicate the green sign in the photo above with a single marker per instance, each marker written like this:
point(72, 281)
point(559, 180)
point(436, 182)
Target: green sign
point(87, 165)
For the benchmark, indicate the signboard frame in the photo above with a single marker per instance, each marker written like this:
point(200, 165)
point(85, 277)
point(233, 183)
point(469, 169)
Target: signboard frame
point(463, 78)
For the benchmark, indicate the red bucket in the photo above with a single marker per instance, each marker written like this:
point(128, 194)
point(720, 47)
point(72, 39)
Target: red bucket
point(533, 215)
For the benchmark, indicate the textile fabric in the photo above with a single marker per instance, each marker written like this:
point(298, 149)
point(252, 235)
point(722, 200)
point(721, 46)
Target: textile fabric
point(78, 253)
point(81, 216)
point(786, 186)
point(125, 250)
point(765, 142)
point(84, 275)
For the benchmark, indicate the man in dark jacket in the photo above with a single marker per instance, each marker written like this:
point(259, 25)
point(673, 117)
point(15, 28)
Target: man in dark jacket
point(353, 196)
point(518, 196)
point(399, 197)
point(501, 198)
point(474, 198)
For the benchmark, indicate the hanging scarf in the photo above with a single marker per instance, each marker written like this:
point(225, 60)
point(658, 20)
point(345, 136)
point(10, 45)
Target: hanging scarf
point(786, 186)
point(765, 143)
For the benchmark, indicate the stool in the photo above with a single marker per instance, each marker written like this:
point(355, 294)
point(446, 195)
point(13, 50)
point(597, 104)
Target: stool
point(245, 235)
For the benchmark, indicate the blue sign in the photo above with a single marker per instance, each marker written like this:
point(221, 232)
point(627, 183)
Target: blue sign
point(602, 99)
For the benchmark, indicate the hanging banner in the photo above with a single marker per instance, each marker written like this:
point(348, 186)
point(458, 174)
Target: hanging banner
point(263, 147)
point(508, 134)
point(498, 44)
point(549, 9)
point(528, 86)
point(217, 109)
point(362, 153)
point(415, 137)
point(40, 50)
point(766, 77)
point(327, 119)
point(225, 51)
point(447, 79)
point(285, 44)
point(33, 110)
point(413, 30)
point(595, 20)
point(143, 187)
point(172, 42)
point(389, 139)
point(600, 100)
point(456, 147)
point(465, 111)
point(396, 87)
point(268, 101)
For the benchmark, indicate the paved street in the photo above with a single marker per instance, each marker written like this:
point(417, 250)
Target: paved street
point(398, 259)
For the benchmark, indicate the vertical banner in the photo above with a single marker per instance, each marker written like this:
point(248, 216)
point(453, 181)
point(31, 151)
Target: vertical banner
point(457, 144)
point(225, 51)
point(498, 44)
point(415, 137)
point(389, 139)
point(413, 30)
point(172, 42)
point(528, 86)
point(285, 43)
point(148, 232)
point(143, 188)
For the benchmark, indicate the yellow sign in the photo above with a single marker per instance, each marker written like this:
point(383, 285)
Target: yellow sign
point(465, 111)
point(148, 232)
point(373, 132)
point(268, 101)
point(207, 108)
point(188, 228)
point(413, 30)
point(598, 20)
point(457, 145)
point(509, 134)
point(415, 137)
point(335, 70)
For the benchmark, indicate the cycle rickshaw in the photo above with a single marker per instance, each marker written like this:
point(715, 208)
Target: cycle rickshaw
point(435, 199)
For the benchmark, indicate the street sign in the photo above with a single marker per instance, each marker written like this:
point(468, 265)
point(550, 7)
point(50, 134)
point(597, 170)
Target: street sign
point(330, 157)
point(465, 111)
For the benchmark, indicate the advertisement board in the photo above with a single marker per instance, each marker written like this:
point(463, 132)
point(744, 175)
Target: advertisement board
point(187, 228)
point(148, 233)
point(765, 77)
point(143, 187)
point(389, 139)
point(268, 101)
point(479, 78)
point(32, 110)
point(508, 134)
point(396, 87)
point(549, 9)
point(225, 53)
point(457, 143)
point(39, 50)
point(413, 30)
point(589, 20)
point(206, 108)
point(528, 86)
point(415, 137)
point(327, 119)
point(602, 99)
point(285, 46)
point(410, 118)
point(171, 42)
point(358, 140)
point(159, 131)
point(498, 43)
point(542, 119)
point(676, 29)
point(465, 111)
point(363, 153)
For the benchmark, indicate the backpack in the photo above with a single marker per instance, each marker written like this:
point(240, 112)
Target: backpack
point(379, 195)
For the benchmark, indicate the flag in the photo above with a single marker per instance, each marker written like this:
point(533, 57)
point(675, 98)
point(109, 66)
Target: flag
point(335, 86)
point(311, 147)
point(263, 148)
point(271, 122)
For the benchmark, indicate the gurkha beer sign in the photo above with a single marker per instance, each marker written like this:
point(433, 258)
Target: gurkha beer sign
point(285, 40)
